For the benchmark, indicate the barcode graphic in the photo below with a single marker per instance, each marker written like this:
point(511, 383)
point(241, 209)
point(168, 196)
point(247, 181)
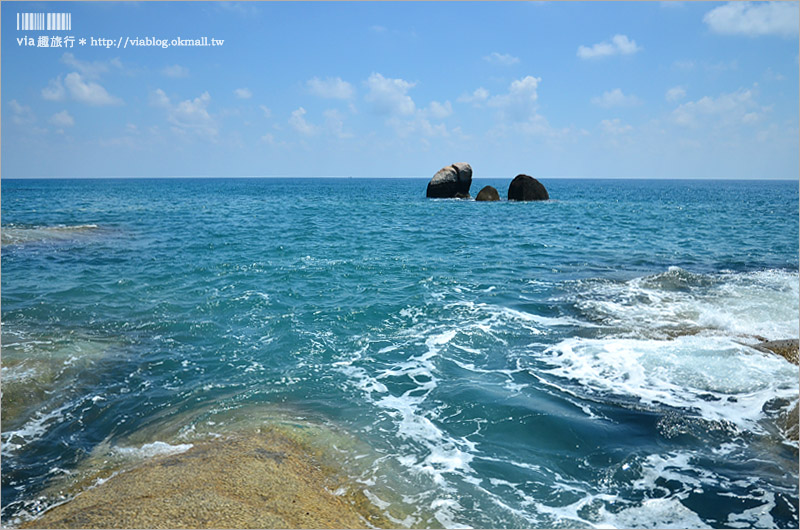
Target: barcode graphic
point(44, 21)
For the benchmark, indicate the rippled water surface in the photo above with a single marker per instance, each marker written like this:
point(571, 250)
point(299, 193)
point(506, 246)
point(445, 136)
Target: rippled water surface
point(583, 361)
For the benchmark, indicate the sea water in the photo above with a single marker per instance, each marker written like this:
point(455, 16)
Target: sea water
point(580, 362)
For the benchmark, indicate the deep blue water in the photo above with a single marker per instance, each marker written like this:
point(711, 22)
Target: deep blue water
point(575, 362)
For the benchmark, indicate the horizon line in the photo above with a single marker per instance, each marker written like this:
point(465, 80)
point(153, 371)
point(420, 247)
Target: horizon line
point(406, 177)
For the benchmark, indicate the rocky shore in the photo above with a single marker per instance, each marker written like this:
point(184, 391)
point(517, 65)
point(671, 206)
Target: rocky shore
point(788, 349)
point(266, 478)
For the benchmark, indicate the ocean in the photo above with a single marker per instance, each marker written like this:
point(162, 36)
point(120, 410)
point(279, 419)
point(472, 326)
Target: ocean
point(585, 361)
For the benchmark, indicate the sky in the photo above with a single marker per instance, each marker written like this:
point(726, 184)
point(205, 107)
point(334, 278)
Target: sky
point(396, 89)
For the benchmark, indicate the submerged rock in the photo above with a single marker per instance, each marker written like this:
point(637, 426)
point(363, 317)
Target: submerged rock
point(39, 369)
point(526, 188)
point(18, 235)
point(790, 424)
point(264, 479)
point(488, 193)
point(451, 182)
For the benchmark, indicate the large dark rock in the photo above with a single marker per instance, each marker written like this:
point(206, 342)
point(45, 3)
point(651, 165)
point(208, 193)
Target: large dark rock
point(451, 182)
point(526, 188)
point(488, 193)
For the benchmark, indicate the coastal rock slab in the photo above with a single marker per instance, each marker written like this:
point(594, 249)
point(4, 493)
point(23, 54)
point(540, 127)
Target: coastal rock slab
point(788, 349)
point(526, 188)
point(451, 182)
point(488, 193)
point(258, 480)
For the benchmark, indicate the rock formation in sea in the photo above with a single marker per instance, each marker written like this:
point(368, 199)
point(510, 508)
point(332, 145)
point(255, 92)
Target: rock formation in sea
point(488, 193)
point(526, 188)
point(451, 182)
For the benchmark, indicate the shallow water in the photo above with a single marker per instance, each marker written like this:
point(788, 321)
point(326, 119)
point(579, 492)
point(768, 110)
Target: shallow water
point(577, 362)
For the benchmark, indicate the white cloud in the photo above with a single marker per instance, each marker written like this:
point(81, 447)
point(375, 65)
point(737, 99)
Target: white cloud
point(62, 119)
point(517, 110)
point(192, 115)
point(520, 102)
point(334, 123)
point(736, 108)
point(244, 9)
point(188, 116)
point(501, 58)
point(175, 71)
point(266, 110)
point(158, 98)
point(438, 110)
point(389, 96)
point(615, 98)
point(21, 114)
point(675, 93)
point(243, 93)
point(772, 75)
point(418, 125)
point(299, 123)
point(330, 88)
point(721, 67)
point(754, 18)
point(479, 96)
point(16, 108)
point(619, 45)
point(54, 91)
point(751, 117)
point(88, 92)
point(377, 29)
point(615, 126)
point(89, 69)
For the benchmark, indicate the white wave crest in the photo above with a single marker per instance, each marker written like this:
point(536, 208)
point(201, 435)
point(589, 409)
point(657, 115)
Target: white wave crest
point(761, 303)
point(151, 450)
point(716, 377)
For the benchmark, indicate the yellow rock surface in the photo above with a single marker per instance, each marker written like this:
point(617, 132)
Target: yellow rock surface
point(261, 479)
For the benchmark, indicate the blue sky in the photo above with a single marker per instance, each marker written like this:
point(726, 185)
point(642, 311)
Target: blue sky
point(552, 89)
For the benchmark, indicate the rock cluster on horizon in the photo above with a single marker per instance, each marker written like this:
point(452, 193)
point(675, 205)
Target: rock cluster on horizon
point(454, 181)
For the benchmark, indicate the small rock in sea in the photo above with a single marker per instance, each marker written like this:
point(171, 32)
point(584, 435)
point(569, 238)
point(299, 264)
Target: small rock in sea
point(526, 188)
point(451, 182)
point(488, 193)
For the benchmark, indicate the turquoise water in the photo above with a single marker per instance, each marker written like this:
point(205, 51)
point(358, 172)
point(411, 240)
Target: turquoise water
point(575, 362)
